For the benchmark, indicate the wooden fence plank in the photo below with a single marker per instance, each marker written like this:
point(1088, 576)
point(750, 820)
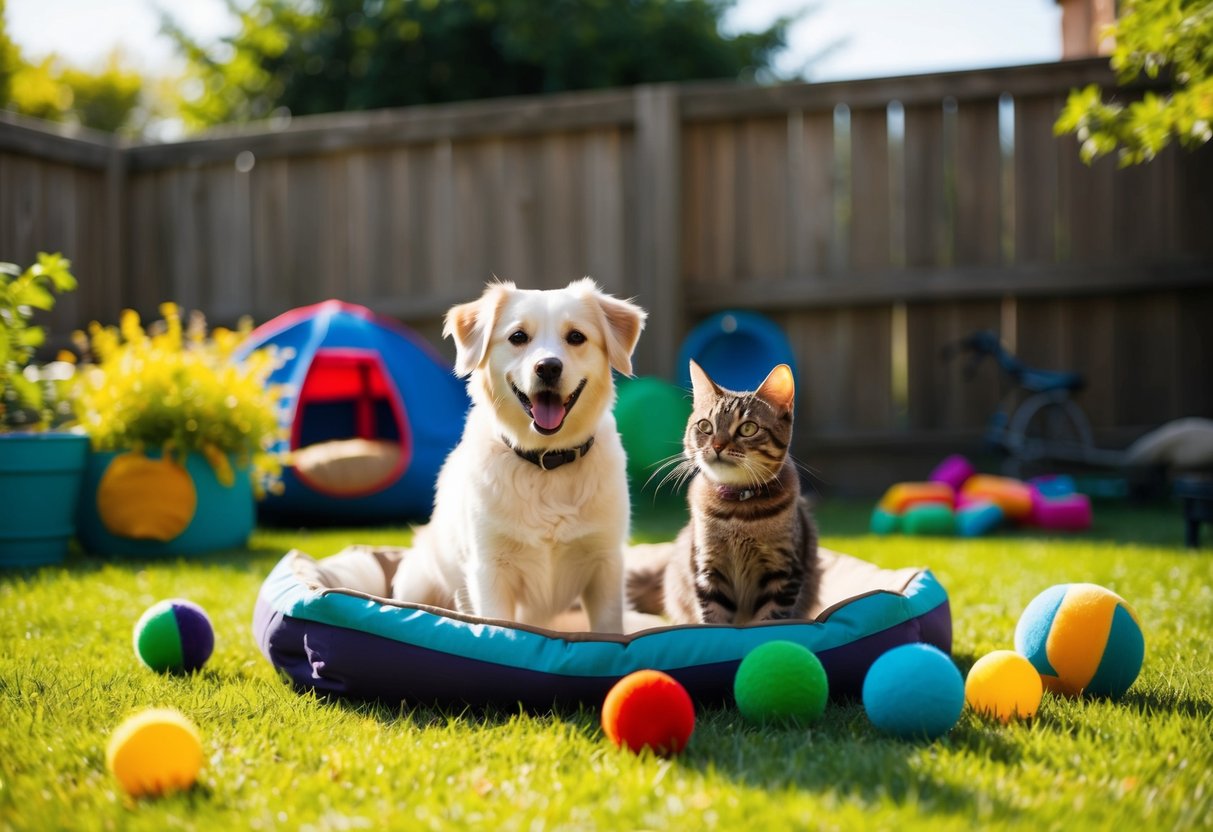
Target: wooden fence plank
point(869, 190)
point(1195, 356)
point(942, 394)
point(1147, 359)
point(560, 239)
point(814, 225)
point(927, 232)
point(978, 178)
point(763, 211)
point(1084, 198)
point(1036, 180)
point(658, 148)
point(604, 214)
point(273, 269)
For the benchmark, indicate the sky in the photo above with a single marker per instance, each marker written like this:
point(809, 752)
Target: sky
point(870, 38)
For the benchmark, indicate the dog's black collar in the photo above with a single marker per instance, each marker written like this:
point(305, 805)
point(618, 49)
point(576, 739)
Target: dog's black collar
point(547, 460)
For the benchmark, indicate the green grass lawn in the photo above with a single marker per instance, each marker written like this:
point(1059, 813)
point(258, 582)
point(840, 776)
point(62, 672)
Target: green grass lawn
point(276, 759)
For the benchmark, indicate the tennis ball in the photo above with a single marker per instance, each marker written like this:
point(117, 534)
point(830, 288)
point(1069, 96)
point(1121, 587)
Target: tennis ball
point(155, 751)
point(174, 636)
point(1082, 638)
point(651, 709)
point(781, 681)
point(1004, 685)
point(914, 691)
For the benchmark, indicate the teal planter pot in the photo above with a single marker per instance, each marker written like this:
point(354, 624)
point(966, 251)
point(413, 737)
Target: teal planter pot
point(144, 506)
point(39, 488)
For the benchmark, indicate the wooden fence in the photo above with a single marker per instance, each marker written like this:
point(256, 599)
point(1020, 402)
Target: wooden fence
point(875, 220)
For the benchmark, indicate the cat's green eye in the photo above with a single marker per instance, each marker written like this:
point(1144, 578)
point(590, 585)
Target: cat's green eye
point(704, 426)
point(748, 428)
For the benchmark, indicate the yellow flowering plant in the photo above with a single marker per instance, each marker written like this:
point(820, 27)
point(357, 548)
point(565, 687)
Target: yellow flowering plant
point(173, 388)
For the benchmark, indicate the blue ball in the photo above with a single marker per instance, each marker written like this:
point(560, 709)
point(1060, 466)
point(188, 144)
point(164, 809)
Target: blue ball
point(914, 691)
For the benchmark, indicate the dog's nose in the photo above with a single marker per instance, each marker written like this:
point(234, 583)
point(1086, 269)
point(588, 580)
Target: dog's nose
point(549, 369)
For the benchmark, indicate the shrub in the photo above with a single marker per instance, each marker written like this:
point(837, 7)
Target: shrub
point(175, 389)
point(23, 403)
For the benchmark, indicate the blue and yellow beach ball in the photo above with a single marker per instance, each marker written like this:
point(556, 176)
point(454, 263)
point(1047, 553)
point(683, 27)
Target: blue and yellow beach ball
point(1083, 639)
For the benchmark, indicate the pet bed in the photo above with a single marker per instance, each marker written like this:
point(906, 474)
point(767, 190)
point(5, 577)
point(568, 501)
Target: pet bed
point(326, 625)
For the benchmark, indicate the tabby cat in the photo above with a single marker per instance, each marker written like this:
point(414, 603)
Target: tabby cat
point(749, 552)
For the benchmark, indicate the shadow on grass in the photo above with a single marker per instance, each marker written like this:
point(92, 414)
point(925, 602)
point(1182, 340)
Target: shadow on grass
point(266, 546)
point(1152, 702)
point(841, 754)
point(253, 559)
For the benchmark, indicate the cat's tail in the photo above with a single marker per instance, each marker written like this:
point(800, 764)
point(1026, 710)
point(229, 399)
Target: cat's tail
point(644, 576)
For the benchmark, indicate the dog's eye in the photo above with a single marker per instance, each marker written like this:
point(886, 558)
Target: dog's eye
point(518, 338)
point(575, 337)
point(748, 429)
point(704, 426)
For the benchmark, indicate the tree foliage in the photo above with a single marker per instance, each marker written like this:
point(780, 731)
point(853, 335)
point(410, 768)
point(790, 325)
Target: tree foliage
point(110, 99)
point(10, 58)
point(1154, 37)
point(333, 55)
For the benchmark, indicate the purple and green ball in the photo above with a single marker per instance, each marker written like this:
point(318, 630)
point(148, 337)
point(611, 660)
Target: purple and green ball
point(174, 636)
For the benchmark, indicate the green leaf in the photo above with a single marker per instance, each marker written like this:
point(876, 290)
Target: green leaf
point(31, 294)
point(28, 392)
point(34, 337)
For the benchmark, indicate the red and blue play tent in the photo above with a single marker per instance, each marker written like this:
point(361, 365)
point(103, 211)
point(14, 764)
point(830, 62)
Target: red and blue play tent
point(371, 411)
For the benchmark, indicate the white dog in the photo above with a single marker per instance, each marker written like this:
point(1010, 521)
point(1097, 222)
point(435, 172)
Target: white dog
point(531, 511)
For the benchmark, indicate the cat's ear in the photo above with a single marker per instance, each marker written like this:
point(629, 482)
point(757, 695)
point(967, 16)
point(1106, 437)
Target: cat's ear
point(779, 388)
point(471, 326)
point(702, 385)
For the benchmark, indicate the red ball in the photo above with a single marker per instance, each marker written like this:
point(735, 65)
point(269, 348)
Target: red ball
point(649, 708)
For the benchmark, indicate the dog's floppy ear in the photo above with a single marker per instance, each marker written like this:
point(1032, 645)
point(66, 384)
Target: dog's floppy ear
point(471, 326)
point(624, 321)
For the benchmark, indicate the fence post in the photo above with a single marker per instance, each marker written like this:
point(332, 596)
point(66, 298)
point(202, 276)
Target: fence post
point(658, 279)
point(109, 304)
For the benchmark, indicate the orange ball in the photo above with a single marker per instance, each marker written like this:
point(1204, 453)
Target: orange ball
point(651, 709)
point(155, 751)
point(1004, 685)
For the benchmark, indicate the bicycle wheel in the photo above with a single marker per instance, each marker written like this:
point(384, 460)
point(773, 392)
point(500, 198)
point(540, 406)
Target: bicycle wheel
point(1048, 427)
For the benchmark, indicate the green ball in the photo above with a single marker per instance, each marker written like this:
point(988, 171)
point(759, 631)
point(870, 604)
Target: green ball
point(781, 681)
point(652, 417)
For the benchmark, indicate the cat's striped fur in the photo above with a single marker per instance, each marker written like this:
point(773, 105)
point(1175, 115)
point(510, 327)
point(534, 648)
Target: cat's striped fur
point(749, 552)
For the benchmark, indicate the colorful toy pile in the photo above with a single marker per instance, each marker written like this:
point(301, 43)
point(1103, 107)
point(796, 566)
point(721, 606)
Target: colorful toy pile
point(957, 500)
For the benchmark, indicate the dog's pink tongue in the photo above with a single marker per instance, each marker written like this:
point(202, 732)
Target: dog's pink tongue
point(547, 411)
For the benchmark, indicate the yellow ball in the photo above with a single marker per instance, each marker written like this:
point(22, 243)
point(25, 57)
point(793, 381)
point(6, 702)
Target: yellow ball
point(155, 751)
point(1004, 685)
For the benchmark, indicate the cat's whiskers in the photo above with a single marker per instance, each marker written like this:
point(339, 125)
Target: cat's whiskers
point(661, 465)
point(682, 471)
point(809, 471)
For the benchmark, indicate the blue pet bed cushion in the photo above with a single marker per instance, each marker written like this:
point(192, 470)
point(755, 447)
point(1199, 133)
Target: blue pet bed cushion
point(328, 627)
